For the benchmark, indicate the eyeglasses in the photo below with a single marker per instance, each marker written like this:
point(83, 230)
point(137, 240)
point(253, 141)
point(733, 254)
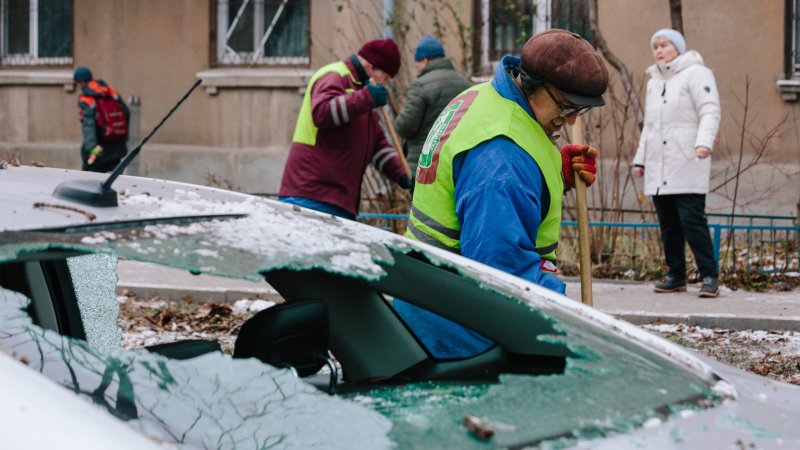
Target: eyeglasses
point(566, 110)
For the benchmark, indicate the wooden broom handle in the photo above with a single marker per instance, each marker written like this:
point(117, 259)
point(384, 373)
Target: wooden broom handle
point(583, 225)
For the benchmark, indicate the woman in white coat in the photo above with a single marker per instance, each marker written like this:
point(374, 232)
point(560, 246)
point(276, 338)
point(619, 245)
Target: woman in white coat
point(680, 125)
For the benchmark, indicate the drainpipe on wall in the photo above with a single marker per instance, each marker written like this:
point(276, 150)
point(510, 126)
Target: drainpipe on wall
point(387, 17)
point(134, 132)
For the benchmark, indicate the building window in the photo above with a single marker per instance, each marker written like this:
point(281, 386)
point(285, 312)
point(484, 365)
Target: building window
point(507, 24)
point(36, 32)
point(789, 86)
point(263, 32)
point(572, 15)
point(793, 39)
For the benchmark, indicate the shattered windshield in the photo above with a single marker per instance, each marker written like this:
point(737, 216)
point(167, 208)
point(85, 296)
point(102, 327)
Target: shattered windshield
point(608, 387)
point(610, 384)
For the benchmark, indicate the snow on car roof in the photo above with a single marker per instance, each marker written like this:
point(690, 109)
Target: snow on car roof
point(269, 234)
point(30, 205)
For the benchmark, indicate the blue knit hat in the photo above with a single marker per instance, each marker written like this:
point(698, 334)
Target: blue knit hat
point(671, 35)
point(428, 47)
point(82, 74)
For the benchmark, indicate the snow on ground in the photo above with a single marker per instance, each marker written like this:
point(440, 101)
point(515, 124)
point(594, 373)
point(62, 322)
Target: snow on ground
point(771, 353)
point(146, 322)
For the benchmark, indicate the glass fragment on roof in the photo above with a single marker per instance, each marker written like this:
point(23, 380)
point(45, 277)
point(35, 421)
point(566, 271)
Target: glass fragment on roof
point(268, 238)
point(94, 278)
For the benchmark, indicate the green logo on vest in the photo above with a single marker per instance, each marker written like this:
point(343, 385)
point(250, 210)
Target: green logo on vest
point(435, 135)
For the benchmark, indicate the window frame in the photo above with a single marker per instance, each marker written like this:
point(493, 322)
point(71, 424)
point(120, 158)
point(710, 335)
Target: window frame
point(31, 58)
point(792, 39)
point(541, 19)
point(483, 22)
point(789, 86)
point(220, 34)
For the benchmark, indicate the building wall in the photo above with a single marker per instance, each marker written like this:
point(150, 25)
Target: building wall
point(236, 128)
point(742, 42)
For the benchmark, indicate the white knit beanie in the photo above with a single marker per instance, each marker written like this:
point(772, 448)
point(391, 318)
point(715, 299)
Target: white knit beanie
point(673, 36)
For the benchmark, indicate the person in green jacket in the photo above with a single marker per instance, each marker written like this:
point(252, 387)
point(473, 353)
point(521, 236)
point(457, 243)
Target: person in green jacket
point(438, 83)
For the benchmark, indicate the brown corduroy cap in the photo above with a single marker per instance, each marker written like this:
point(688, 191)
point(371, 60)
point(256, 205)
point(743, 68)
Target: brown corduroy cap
point(569, 63)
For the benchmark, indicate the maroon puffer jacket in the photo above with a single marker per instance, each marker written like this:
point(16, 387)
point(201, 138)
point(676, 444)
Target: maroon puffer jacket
point(349, 138)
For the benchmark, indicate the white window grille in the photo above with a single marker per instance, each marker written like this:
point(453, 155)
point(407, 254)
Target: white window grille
point(795, 63)
point(263, 32)
point(36, 32)
point(507, 24)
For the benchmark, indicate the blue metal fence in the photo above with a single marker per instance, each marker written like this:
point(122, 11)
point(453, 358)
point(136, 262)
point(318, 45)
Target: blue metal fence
point(760, 244)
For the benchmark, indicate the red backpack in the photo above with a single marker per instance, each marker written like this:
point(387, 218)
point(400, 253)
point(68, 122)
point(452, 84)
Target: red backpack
point(111, 123)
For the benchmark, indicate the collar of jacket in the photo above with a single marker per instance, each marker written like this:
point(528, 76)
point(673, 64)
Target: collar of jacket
point(95, 88)
point(678, 64)
point(436, 64)
point(503, 82)
point(361, 73)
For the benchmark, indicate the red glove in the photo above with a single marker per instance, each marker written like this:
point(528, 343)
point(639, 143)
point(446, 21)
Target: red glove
point(581, 159)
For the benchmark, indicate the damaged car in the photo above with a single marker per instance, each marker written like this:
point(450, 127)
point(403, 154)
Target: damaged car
point(333, 365)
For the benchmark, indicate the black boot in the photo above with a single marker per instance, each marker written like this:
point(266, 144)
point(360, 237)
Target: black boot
point(709, 288)
point(671, 284)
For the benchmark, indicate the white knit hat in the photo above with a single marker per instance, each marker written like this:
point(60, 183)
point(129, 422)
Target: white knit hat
point(671, 35)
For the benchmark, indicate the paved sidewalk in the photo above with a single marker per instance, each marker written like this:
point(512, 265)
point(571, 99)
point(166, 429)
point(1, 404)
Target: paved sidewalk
point(635, 302)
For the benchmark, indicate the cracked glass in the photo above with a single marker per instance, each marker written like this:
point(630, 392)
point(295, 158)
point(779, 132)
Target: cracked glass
point(609, 385)
point(206, 402)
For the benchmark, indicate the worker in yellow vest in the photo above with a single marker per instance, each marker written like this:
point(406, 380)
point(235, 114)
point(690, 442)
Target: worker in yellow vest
point(338, 133)
point(490, 180)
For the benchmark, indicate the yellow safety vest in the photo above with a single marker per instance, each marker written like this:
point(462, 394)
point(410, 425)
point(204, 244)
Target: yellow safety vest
point(305, 132)
point(478, 115)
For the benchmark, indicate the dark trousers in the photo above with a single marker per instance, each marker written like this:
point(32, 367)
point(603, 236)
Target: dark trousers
point(683, 218)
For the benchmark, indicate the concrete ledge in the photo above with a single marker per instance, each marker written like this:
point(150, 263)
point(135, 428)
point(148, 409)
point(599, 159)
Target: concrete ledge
point(20, 77)
point(244, 169)
point(198, 295)
point(711, 320)
point(254, 78)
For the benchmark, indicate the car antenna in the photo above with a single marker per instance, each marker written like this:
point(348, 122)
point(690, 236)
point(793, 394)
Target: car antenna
point(95, 193)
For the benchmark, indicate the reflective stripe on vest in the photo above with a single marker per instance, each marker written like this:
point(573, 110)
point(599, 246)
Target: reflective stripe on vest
point(461, 126)
point(305, 132)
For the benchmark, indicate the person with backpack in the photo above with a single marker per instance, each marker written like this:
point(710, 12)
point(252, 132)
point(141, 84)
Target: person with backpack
point(104, 122)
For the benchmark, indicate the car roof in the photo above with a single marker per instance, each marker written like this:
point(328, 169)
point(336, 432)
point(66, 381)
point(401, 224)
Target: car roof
point(30, 206)
point(290, 238)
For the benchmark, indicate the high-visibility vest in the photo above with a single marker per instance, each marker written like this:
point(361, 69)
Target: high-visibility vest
point(478, 115)
point(305, 132)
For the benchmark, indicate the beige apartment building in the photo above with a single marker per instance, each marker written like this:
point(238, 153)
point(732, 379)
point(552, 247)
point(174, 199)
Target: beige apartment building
point(254, 58)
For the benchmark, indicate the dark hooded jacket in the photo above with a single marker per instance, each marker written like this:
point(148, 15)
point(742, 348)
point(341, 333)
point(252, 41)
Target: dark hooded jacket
point(436, 85)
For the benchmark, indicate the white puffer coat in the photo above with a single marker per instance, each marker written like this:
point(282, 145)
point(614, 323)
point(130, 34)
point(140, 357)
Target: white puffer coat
point(682, 112)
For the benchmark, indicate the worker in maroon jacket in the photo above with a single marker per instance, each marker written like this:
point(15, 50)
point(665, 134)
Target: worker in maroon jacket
point(338, 133)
